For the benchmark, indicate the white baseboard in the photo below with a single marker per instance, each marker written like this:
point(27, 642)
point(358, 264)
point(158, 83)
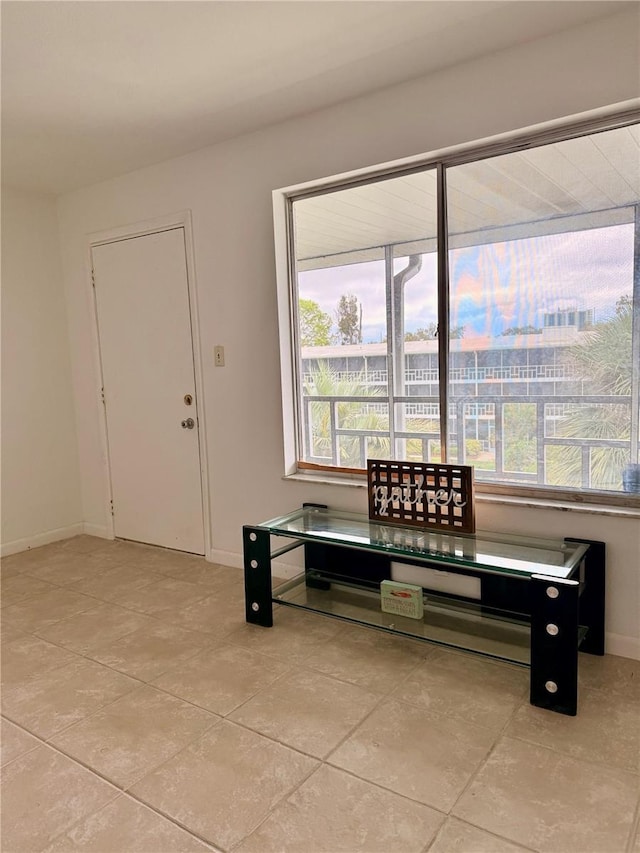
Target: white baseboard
point(98, 530)
point(38, 539)
point(225, 558)
point(236, 561)
point(625, 647)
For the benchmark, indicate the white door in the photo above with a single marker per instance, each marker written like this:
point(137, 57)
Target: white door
point(144, 325)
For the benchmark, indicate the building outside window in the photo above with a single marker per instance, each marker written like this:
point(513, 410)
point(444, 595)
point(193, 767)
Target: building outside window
point(482, 309)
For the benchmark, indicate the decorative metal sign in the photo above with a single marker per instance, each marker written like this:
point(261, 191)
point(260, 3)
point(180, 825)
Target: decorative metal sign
point(422, 494)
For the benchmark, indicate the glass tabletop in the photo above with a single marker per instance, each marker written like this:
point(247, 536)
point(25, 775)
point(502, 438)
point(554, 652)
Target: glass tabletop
point(458, 624)
point(488, 551)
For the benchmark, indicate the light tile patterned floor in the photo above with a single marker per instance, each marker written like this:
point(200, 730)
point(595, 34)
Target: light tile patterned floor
point(142, 715)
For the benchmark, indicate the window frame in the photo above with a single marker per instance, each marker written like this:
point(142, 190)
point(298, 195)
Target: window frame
point(440, 161)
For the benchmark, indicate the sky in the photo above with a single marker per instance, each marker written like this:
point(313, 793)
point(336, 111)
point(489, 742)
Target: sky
point(493, 287)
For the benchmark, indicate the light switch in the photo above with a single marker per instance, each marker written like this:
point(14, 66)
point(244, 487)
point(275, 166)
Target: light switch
point(218, 356)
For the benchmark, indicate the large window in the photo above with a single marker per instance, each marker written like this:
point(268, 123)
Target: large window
point(479, 309)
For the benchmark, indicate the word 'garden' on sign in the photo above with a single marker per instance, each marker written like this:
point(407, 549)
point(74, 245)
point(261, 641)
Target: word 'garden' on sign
point(421, 494)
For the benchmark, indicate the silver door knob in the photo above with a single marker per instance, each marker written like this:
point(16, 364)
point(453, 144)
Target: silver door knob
point(188, 424)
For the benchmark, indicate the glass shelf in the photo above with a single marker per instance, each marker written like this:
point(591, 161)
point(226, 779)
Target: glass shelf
point(446, 621)
point(489, 552)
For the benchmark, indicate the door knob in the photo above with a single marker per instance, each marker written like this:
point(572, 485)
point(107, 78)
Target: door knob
point(188, 424)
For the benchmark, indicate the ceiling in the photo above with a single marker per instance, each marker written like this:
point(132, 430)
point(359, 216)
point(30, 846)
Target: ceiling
point(574, 184)
point(91, 90)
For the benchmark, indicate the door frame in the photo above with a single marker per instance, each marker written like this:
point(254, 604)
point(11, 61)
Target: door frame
point(180, 219)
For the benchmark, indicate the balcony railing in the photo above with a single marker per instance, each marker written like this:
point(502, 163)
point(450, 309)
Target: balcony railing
point(342, 418)
point(515, 373)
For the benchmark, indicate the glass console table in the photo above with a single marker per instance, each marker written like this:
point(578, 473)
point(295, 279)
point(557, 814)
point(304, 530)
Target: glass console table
point(538, 601)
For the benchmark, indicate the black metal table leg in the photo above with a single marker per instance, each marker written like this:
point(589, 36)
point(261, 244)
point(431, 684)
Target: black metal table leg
point(592, 596)
point(554, 644)
point(257, 576)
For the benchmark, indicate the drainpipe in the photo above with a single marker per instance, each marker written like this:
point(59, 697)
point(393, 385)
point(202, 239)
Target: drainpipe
point(397, 336)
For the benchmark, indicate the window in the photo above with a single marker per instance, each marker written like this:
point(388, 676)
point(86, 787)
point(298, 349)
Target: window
point(480, 309)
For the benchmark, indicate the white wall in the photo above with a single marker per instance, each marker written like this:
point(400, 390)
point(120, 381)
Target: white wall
point(228, 189)
point(40, 476)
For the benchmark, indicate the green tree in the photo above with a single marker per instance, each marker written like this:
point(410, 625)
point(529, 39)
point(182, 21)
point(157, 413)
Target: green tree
point(315, 324)
point(605, 355)
point(521, 330)
point(367, 415)
point(603, 361)
point(349, 320)
point(430, 333)
point(519, 437)
point(324, 382)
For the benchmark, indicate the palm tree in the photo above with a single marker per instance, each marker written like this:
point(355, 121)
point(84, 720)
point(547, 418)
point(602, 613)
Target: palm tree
point(603, 360)
point(323, 381)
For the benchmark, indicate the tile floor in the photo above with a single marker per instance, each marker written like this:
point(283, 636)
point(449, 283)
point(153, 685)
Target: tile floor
point(142, 715)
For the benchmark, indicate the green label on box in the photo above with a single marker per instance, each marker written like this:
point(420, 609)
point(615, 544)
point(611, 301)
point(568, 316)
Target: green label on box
point(402, 599)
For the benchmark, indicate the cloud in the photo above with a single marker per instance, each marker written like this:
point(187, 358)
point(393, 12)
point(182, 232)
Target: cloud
point(493, 286)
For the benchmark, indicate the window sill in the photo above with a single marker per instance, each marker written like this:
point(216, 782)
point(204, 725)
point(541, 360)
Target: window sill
point(508, 500)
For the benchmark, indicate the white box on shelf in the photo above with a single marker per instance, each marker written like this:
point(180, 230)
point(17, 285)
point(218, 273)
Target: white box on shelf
point(401, 599)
